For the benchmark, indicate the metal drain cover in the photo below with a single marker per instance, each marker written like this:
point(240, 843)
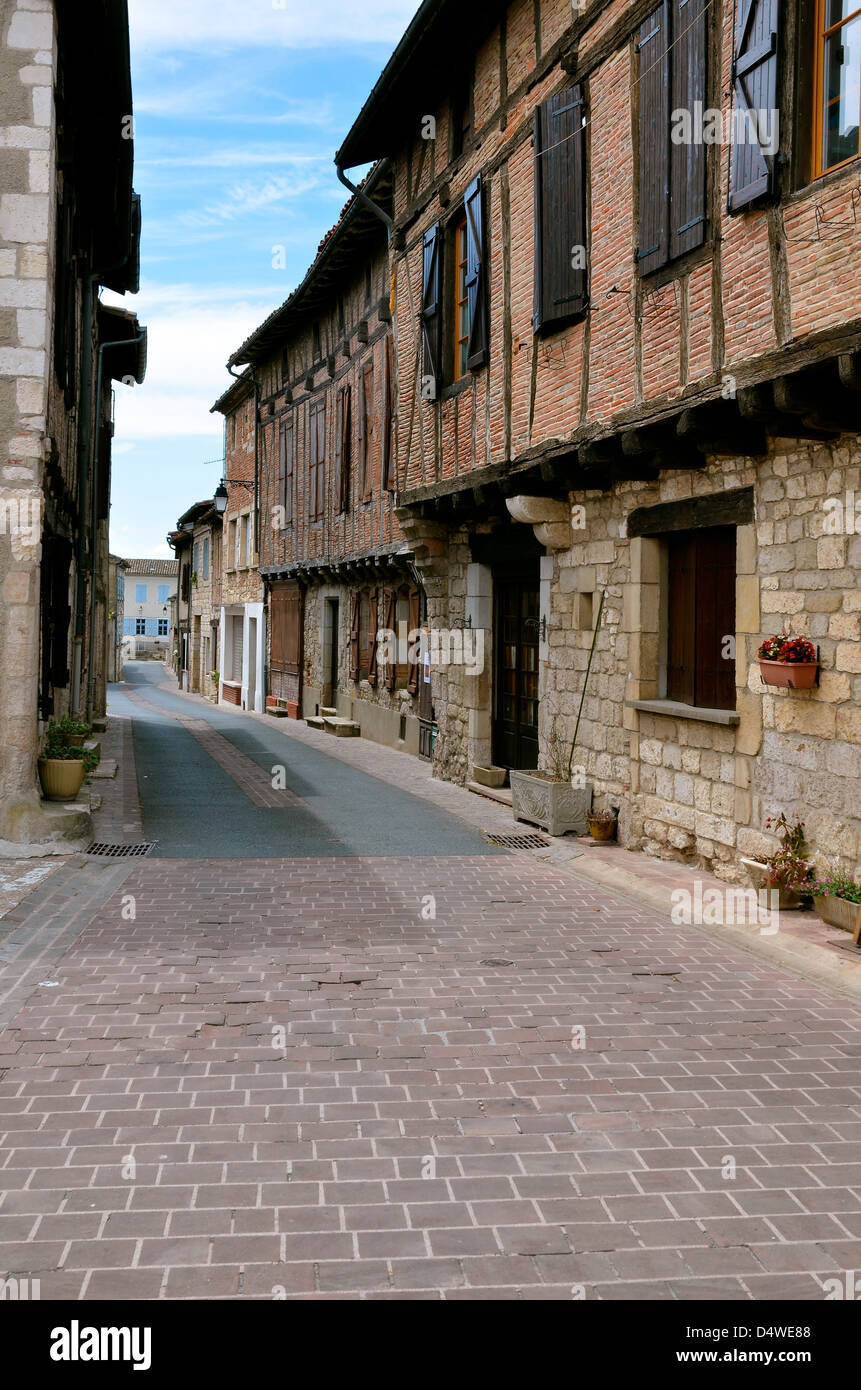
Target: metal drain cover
point(101, 851)
point(499, 963)
point(517, 841)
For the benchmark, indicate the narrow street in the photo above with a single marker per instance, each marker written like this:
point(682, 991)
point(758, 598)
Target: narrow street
point(302, 1052)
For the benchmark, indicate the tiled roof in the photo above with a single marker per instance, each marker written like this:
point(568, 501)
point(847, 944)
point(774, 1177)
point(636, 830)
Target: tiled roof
point(164, 567)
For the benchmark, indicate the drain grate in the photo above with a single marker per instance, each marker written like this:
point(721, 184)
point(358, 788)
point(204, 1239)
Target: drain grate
point(100, 851)
point(517, 841)
point(499, 963)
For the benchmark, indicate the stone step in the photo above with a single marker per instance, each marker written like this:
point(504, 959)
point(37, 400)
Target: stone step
point(327, 713)
point(342, 728)
point(276, 711)
point(314, 722)
point(500, 794)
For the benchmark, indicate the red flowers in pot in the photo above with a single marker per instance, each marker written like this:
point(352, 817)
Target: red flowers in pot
point(790, 662)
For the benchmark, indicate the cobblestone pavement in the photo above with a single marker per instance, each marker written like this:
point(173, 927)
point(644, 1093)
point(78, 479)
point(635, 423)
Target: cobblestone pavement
point(453, 1078)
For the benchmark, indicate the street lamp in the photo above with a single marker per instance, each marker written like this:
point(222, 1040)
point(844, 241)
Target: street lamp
point(220, 498)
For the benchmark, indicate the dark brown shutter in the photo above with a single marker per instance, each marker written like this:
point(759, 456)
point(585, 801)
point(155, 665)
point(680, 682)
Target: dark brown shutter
point(372, 637)
point(285, 616)
point(754, 79)
point(476, 275)
point(354, 637)
point(343, 451)
point(688, 63)
point(388, 418)
point(715, 594)
point(561, 280)
point(366, 438)
point(681, 617)
point(654, 86)
point(415, 624)
point(431, 315)
point(320, 493)
point(287, 476)
point(391, 609)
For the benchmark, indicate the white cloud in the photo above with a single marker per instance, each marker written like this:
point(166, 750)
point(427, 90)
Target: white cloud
point(192, 332)
point(244, 199)
point(164, 24)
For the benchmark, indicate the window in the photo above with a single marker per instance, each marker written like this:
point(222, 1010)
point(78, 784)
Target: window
point(461, 117)
point(561, 278)
point(343, 449)
point(162, 627)
point(364, 631)
point(140, 593)
point(318, 347)
point(248, 523)
point(140, 627)
point(163, 593)
point(285, 366)
point(285, 469)
point(317, 461)
point(366, 434)
point(387, 459)
point(195, 561)
point(466, 297)
point(237, 542)
point(231, 545)
point(121, 585)
point(755, 128)
point(838, 83)
point(673, 54)
point(204, 559)
point(701, 617)
point(363, 637)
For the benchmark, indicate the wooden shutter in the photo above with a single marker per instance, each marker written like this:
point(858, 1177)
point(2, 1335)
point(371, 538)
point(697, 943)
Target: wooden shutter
point(681, 618)
point(431, 315)
point(476, 275)
point(715, 672)
point(320, 490)
point(285, 616)
point(688, 63)
point(287, 487)
point(388, 418)
point(561, 278)
point(354, 637)
point(372, 637)
point(391, 666)
point(754, 81)
point(342, 450)
point(366, 437)
point(415, 624)
point(654, 86)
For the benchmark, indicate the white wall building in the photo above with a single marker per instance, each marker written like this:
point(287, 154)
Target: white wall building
point(149, 587)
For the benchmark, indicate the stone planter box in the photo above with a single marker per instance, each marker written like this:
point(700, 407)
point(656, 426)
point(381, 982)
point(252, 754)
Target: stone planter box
point(488, 776)
point(61, 778)
point(759, 875)
point(838, 912)
point(556, 806)
point(790, 675)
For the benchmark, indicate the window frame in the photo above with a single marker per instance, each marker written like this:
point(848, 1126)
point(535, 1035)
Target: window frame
point(695, 539)
point(317, 459)
point(459, 296)
point(821, 35)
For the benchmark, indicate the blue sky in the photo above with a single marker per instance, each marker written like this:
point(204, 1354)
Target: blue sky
point(239, 109)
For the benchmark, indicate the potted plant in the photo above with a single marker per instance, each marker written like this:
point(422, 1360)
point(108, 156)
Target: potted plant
point(73, 731)
point(62, 769)
point(789, 662)
point(837, 899)
point(554, 800)
point(215, 677)
point(788, 870)
point(602, 824)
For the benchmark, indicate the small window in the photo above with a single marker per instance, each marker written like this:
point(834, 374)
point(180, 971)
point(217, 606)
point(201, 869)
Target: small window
point(461, 117)
point(249, 540)
point(838, 77)
point(205, 558)
point(163, 593)
point(701, 617)
point(162, 627)
point(460, 315)
point(140, 627)
point(237, 542)
point(285, 366)
point(140, 593)
point(317, 461)
point(318, 347)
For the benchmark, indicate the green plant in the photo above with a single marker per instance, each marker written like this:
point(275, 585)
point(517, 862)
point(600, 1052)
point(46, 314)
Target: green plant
point(602, 817)
point(68, 725)
point(216, 677)
point(836, 884)
point(789, 866)
point(58, 750)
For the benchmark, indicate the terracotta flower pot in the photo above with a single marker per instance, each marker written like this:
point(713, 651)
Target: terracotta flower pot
point(601, 829)
point(61, 778)
point(790, 675)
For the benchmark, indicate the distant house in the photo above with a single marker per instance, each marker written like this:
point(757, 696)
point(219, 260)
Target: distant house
point(150, 585)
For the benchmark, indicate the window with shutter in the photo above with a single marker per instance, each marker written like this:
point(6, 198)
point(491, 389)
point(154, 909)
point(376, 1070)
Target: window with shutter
point(373, 620)
point(286, 628)
point(561, 277)
point(673, 58)
point(431, 315)
point(415, 624)
point(317, 460)
point(285, 469)
point(701, 617)
point(387, 439)
point(343, 452)
point(355, 638)
point(366, 436)
point(838, 84)
point(389, 622)
point(754, 88)
point(476, 276)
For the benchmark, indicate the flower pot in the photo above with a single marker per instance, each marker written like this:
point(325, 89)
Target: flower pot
point(61, 778)
point(759, 873)
point(790, 675)
point(488, 776)
point(601, 829)
point(838, 912)
point(554, 805)
point(76, 740)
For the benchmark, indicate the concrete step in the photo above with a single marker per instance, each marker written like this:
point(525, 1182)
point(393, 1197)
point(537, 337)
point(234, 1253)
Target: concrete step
point(500, 794)
point(314, 722)
point(342, 728)
point(106, 769)
point(93, 745)
point(276, 711)
point(327, 713)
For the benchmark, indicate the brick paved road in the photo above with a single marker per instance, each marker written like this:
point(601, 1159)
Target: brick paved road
point(427, 1124)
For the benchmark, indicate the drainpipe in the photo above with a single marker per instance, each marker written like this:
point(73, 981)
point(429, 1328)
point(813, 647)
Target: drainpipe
point(85, 428)
point(94, 505)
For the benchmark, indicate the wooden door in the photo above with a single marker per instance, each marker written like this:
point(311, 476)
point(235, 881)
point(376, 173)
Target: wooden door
point(516, 637)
